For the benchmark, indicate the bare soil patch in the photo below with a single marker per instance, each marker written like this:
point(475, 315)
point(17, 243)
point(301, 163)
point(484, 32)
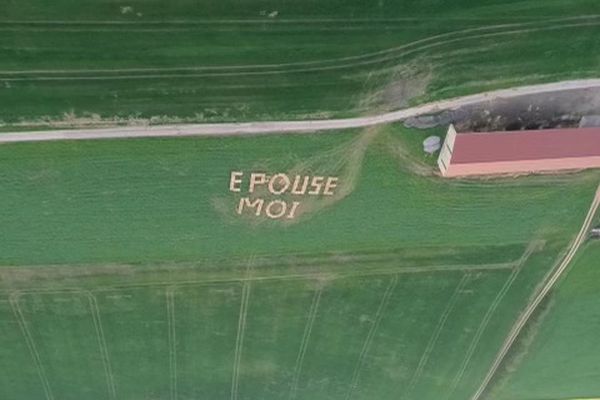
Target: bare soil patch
point(558, 109)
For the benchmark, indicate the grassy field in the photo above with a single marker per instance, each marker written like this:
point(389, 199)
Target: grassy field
point(128, 270)
point(168, 200)
point(563, 338)
point(79, 64)
point(128, 274)
point(359, 333)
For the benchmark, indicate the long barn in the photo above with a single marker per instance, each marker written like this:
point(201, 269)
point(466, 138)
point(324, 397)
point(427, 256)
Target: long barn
point(489, 153)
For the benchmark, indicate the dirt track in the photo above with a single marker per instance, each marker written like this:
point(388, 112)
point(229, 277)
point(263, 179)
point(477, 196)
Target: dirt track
point(550, 283)
point(283, 127)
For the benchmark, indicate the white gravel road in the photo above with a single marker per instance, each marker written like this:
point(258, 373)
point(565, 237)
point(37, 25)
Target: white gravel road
point(284, 127)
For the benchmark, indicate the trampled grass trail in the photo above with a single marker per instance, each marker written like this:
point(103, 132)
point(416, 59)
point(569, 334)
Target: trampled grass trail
point(550, 283)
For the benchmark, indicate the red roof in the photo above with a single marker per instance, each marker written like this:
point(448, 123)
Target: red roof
point(526, 145)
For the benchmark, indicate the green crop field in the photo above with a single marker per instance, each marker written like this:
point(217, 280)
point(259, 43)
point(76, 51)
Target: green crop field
point(168, 200)
point(128, 273)
point(90, 62)
point(325, 266)
point(562, 338)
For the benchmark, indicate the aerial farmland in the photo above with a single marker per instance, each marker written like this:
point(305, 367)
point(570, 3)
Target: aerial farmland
point(231, 200)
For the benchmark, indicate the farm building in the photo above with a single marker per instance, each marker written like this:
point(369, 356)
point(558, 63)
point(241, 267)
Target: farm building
point(467, 154)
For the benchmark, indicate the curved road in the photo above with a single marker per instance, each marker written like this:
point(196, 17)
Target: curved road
point(281, 127)
point(532, 306)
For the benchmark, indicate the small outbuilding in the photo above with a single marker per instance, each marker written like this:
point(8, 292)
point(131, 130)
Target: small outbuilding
point(487, 153)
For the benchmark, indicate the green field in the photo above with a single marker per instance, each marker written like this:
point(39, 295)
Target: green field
point(66, 64)
point(130, 269)
point(167, 200)
point(563, 338)
point(128, 275)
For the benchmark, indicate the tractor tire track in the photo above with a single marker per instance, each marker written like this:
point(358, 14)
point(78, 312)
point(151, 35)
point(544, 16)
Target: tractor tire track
point(530, 309)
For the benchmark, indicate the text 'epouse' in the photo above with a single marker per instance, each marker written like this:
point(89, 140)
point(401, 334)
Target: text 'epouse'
point(257, 184)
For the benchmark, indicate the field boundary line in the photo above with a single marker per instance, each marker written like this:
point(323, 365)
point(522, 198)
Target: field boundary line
point(170, 300)
point(273, 21)
point(436, 333)
point(35, 355)
point(290, 277)
point(183, 28)
point(533, 246)
point(312, 314)
point(385, 298)
point(305, 259)
point(241, 331)
point(110, 380)
point(550, 283)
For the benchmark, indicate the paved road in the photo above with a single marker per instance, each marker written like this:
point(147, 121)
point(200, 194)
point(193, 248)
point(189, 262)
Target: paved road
point(281, 127)
point(550, 283)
